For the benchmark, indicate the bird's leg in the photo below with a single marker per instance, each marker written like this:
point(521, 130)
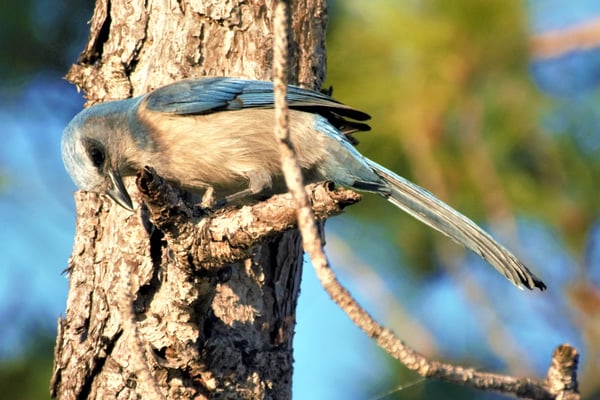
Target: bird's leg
point(208, 199)
point(258, 182)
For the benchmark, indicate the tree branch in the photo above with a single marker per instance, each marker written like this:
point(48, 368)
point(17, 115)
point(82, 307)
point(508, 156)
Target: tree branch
point(227, 235)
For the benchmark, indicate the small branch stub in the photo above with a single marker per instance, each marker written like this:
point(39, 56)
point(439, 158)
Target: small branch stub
point(562, 374)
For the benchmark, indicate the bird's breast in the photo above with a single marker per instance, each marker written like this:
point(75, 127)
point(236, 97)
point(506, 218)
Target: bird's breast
point(223, 149)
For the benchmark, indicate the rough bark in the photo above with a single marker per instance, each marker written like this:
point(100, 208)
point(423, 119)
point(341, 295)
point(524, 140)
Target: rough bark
point(196, 329)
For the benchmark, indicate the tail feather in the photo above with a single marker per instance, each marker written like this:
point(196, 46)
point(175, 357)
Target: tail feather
point(422, 205)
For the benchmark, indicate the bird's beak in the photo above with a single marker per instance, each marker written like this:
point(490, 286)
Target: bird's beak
point(118, 192)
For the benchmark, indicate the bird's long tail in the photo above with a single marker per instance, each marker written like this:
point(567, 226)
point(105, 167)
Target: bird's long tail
point(422, 205)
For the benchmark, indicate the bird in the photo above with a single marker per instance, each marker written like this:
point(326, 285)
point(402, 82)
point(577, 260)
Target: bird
point(216, 133)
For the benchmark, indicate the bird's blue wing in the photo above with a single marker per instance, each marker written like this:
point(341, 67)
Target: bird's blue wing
point(207, 95)
point(195, 96)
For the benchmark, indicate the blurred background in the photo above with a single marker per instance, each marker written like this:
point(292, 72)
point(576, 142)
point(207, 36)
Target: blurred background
point(491, 105)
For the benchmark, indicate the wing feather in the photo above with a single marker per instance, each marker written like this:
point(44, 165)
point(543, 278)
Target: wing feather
point(208, 95)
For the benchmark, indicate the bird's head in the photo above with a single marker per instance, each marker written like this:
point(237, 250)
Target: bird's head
point(91, 152)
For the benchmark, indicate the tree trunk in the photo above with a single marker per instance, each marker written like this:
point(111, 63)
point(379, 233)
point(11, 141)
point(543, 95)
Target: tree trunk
point(145, 315)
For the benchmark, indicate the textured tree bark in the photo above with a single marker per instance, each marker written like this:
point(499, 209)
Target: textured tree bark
point(146, 316)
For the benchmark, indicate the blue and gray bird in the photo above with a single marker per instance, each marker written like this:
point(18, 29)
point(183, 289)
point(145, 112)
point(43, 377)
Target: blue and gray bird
point(218, 133)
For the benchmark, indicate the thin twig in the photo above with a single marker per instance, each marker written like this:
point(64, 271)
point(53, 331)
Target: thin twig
point(526, 388)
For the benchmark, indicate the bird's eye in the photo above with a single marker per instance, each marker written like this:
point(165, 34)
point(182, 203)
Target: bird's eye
point(96, 155)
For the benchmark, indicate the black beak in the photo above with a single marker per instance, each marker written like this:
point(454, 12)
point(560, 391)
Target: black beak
point(118, 192)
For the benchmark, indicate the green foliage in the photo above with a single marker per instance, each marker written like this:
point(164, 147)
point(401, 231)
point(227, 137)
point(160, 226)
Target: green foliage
point(28, 377)
point(448, 86)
